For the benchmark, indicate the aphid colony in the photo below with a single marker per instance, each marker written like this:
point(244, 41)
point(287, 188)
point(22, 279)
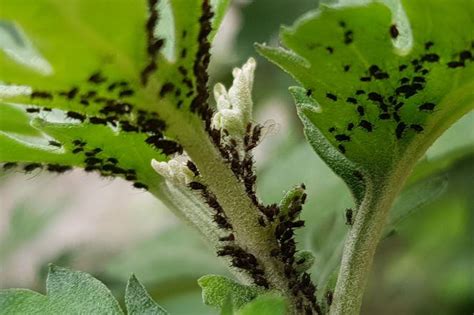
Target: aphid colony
point(30, 167)
point(299, 284)
point(389, 105)
point(95, 160)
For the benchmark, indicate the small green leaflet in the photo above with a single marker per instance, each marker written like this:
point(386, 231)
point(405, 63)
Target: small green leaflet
point(76, 292)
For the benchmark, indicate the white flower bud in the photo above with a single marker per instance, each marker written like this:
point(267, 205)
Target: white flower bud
point(234, 107)
point(175, 170)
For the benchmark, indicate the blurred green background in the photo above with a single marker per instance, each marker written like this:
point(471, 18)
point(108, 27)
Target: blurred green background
point(424, 265)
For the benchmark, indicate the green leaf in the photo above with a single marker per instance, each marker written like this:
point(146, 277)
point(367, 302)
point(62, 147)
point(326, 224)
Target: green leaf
point(267, 304)
point(138, 301)
point(68, 292)
point(89, 60)
point(369, 108)
point(216, 290)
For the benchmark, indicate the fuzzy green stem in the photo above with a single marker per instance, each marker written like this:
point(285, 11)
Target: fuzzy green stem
point(360, 247)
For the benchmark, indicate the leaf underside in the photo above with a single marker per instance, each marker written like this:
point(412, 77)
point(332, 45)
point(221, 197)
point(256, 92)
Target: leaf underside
point(90, 75)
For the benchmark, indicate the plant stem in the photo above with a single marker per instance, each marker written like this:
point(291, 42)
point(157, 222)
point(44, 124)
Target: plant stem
point(361, 244)
point(238, 207)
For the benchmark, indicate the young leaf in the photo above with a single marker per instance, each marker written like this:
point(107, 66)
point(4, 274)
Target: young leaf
point(216, 290)
point(68, 292)
point(367, 107)
point(138, 301)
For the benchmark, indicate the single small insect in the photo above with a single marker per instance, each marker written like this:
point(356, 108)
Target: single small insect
point(394, 31)
point(140, 185)
point(33, 110)
point(400, 129)
point(417, 128)
point(97, 78)
point(351, 100)
point(166, 88)
point(349, 216)
point(309, 92)
point(366, 125)
point(41, 94)
point(342, 137)
point(347, 68)
point(192, 167)
point(197, 186)
point(426, 107)
point(75, 115)
point(331, 96)
point(9, 165)
point(330, 49)
point(54, 143)
point(31, 167)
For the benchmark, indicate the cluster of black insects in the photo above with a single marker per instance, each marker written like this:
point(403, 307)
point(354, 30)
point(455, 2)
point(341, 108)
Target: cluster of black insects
point(239, 257)
point(95, 160)
point(389, 106)
point(30, 167)
point(299, 283)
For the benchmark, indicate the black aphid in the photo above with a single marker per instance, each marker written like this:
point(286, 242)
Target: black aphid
point(426, 107)
point(331, 96)
point(197, 186)
point(33, 110)
point(330, 49)
point(402, 67)
point(97, 78)
point(347, 68)
point(98, 121)
point(396, 117)
point(9, 165)
point(343, 137)
point(31, 167)
point(75, 115)
point(351, 100)
point(360, 92)
point(430, 58)
point(384, 116)
point(41, 94)
point(348, 37)
point(376, 97)
point(329, 297)
point(417, 128)
point(350, 126)
point(112, 160)
point(140, 185)
point(126, 93)
point(455, 64)
point(360, 110)
point(92, 160)
point(366, 125)
point(309, 92)
point(166, 88)
point(192, 167)
point(400, 129)
point(349, 216)
point(54, 143)
point(465, 55)
point(57, 168)
point(394, 31)
point(428, 45)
